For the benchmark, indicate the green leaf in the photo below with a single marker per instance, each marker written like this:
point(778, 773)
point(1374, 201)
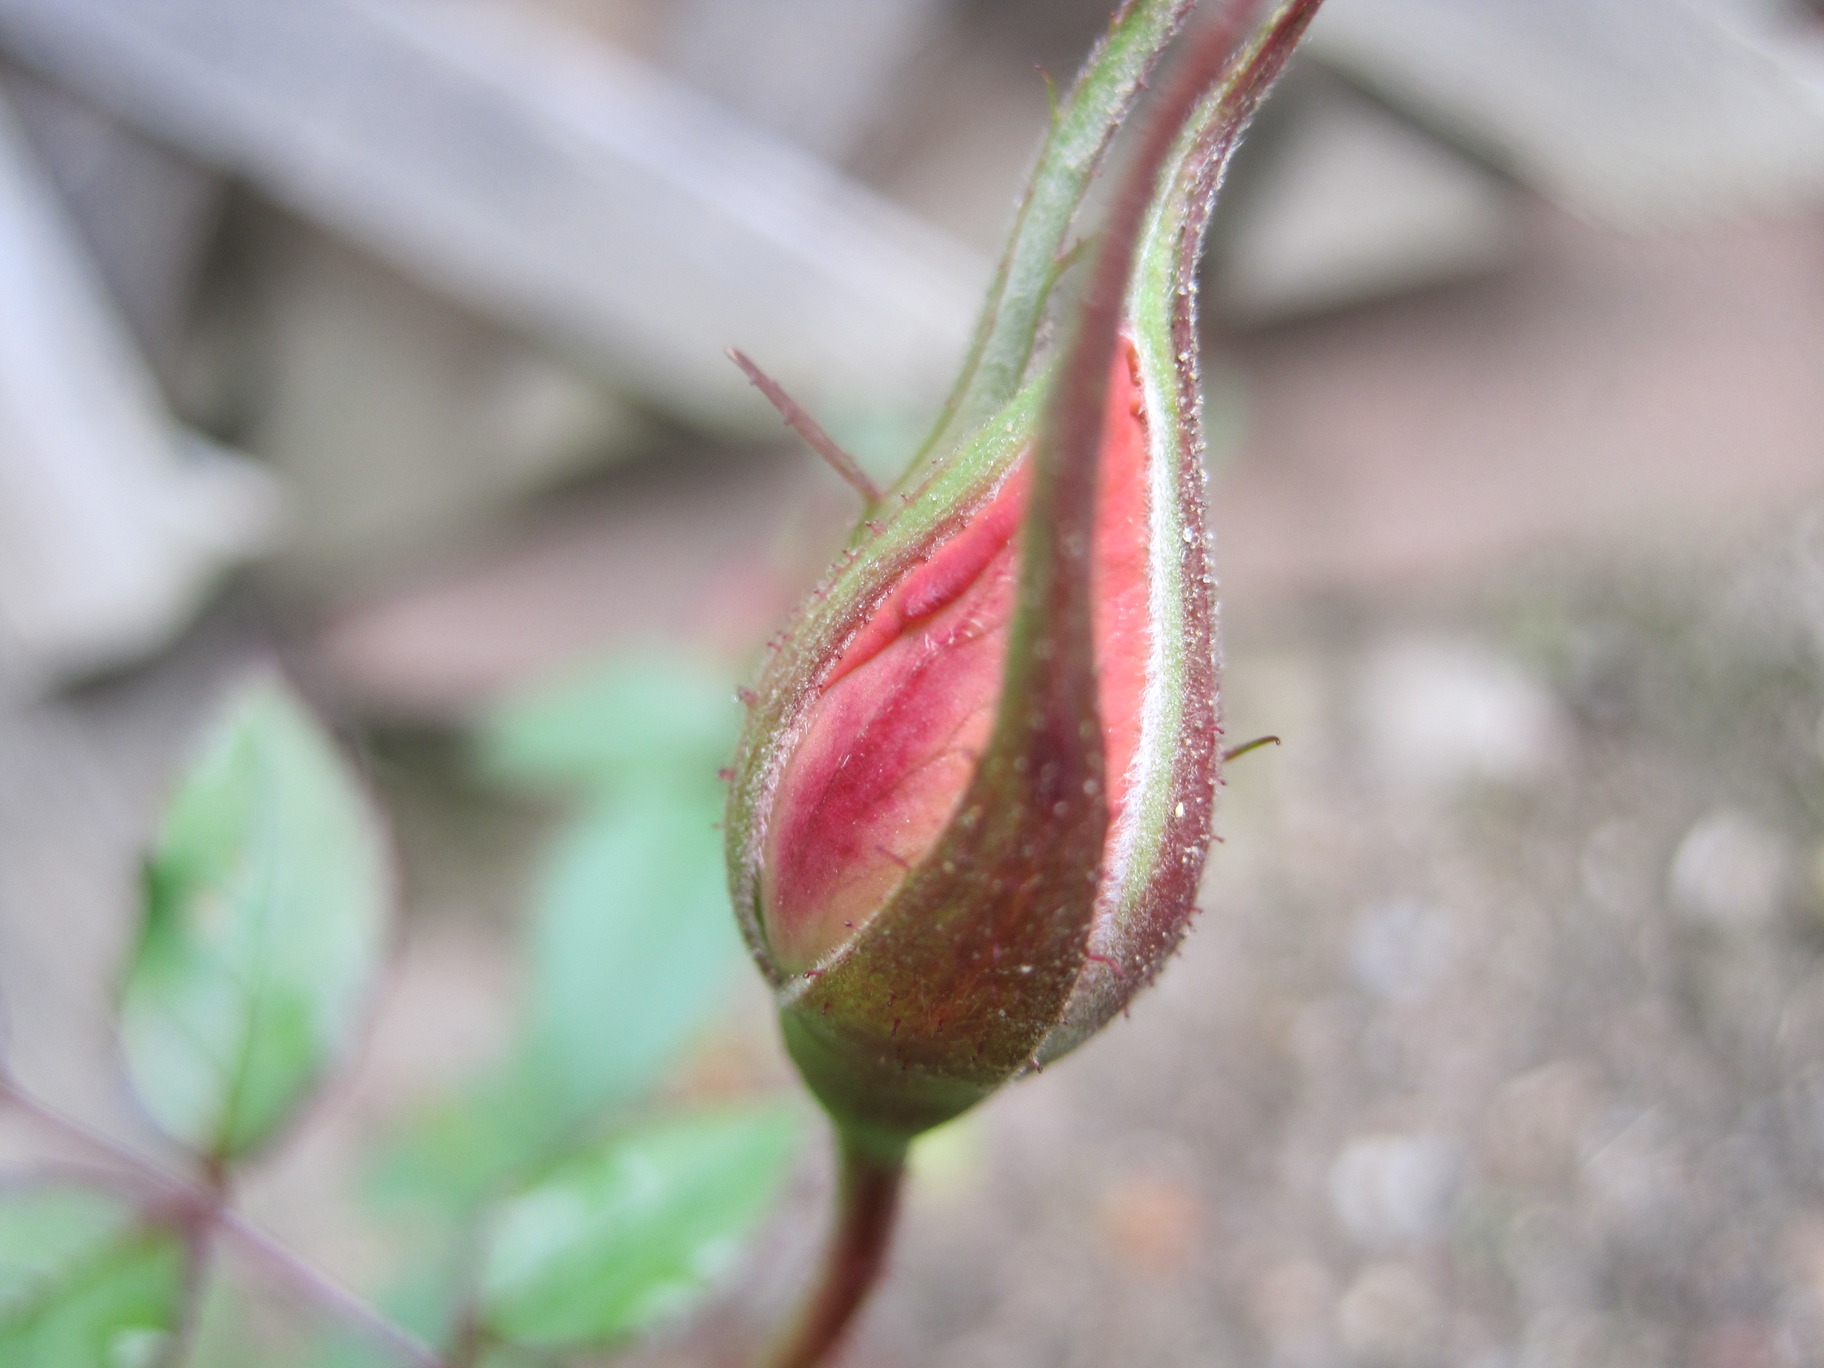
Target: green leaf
point(266, 899)
point(633, 1231)
point(448, 1158)
point(84, 1281)
point(632, 946)
point(638, 715)
point(427, 1300)
point(632, 940)
point(632, 943)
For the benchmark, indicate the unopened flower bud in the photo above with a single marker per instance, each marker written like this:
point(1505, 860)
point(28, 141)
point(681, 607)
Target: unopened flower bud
point(975, 792)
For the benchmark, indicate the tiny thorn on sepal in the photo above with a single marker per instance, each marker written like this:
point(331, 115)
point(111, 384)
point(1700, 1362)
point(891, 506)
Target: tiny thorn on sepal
point(1236, 752)
point(808, 428)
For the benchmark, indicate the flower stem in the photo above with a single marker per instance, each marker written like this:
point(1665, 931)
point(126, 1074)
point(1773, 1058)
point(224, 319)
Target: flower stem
point(870, 1175)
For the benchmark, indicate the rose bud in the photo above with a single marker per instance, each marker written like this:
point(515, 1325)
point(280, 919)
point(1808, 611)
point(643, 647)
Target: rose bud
point(974, 795)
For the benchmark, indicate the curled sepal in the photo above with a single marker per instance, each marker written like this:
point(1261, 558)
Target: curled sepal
point(1157, 847)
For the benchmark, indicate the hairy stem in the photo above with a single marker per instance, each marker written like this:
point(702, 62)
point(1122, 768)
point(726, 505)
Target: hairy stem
point(869, 1180)
point(204, 1209)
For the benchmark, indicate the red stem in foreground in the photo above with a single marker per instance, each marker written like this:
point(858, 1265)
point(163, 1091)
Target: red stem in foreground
point(869, 1181)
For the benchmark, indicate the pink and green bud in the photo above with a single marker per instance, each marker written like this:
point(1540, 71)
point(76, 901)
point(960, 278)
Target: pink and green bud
point(974, 796)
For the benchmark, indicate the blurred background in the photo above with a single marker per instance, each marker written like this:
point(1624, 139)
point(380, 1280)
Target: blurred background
point(384, 338)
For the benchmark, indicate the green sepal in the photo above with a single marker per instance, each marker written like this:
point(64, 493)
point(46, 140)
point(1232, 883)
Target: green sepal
point(1157, 849)
point(1082, 127)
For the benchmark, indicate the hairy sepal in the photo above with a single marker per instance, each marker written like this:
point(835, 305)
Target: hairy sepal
point(1157, 851)
point(1082, 127)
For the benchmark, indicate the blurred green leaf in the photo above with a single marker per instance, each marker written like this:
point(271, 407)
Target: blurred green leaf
point(641, 714)
point(426, 1301)
point(84, 1281)
point(632, 944)
point(265, 911)
point(632, 938)
point(450, 1157)
point(632, 1231)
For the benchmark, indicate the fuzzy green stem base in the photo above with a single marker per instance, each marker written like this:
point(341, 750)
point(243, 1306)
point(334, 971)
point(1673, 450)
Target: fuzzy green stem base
point(869, 1179)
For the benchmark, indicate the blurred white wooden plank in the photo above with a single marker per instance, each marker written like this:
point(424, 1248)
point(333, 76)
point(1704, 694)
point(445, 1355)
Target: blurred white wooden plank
point(814, 71)
point(109, 531)
point(400, 424)
point(145, 214)
point(550, 184)
point(1354, 204)
point(1630, 111)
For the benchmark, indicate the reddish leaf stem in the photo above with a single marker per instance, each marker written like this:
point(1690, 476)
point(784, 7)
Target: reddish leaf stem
point(204, 1208)
point(869, 1181)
